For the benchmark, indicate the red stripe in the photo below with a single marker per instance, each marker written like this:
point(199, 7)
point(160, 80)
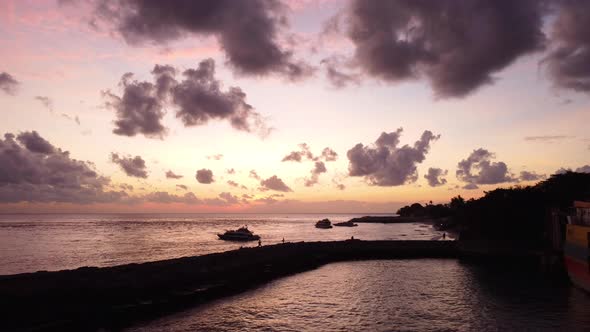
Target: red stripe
point(578, 269)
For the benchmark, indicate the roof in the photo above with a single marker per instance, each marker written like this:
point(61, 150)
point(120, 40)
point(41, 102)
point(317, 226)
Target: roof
point(581, 204)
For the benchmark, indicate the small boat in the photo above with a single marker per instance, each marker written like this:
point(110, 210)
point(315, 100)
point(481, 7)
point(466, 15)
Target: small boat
point(324, 223)
point(577, 242)
point(346, 224)
point(240, 234)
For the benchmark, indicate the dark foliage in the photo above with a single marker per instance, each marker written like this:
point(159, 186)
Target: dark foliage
point(515, 214)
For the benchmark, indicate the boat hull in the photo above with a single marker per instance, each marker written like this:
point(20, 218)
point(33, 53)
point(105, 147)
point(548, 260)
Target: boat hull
point(576, 255)
point(346, 225)
point(238, 238)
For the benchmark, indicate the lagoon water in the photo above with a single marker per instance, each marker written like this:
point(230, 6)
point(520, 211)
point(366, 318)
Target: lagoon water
point(52, 242)
point(395, 295)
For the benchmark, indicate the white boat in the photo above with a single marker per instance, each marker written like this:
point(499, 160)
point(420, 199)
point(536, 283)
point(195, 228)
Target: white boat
point(324, 223)
point(240, 234)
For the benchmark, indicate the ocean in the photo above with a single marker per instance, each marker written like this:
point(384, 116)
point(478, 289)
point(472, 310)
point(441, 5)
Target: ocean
point(379, 295)
point(50, 242)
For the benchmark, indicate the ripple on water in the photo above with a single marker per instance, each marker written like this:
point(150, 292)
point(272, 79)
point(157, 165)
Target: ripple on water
point(414, 295)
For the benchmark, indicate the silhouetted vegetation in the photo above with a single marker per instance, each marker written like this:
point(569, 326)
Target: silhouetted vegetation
point(516, 214)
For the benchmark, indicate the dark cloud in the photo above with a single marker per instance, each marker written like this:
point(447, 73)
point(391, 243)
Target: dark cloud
point(470, 186)
point(336, 74)
point(132, 166)
point(166, 198)
point(182, 186)
point(204, 176)
point(254, 175)
point(247, 31)
point(457, 44)
point(546, 138)
point(126, 186)
point(35, 143)
point(530, 176)
point(318, 169)
point(45, 101)
point(568, 62)
point(488, 172)
point(199, 99)
point(233, 183)
point(172, 175)
point(140, 108)
point(229, 198)
point(386, 164)
point(35, 173)
point(8, 84)
point(304, 153)
point(340, 186)
point(274, 183)
point(230, 171)
point(215, 157)
point(329, 154)
point(435, 177)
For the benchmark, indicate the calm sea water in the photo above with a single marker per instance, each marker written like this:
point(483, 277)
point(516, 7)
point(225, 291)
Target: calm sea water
point(395, 295)
point(51, 242)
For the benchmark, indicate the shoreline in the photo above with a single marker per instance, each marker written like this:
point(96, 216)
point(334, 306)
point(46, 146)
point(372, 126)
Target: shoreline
point(114, 297)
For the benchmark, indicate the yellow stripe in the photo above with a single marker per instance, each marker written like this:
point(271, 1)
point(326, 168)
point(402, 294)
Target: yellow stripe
point(577, 235)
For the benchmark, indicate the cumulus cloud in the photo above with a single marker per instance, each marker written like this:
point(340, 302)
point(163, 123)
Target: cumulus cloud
point(247, 31)
point(488, 172)
point(140, 108)
point(204, 176)
point(230, 171)
point(167, 198)
point(457, 45)
point(386, 164)
point(126, 186)
point(30, 171)
point(132, 166)
point(8, 84)
point(329, 155)
point(304, 153)
point(583, 169)
point(318, 169)
point(274, 183)
point(182, 186)
point(435, 177)
point(172, 175)
point(229, 198)
point(530, 176)
point(470, 186)
point(35, 143)
point(569, 58)
point(233, 183)
point(199, 98)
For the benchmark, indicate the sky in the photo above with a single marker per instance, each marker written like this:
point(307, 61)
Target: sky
point(286, 106)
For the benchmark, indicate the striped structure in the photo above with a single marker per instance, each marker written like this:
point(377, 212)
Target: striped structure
point(576, 255)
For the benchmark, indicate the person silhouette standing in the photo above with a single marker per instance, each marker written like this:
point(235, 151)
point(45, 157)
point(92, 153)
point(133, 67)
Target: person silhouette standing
point(259, 243)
